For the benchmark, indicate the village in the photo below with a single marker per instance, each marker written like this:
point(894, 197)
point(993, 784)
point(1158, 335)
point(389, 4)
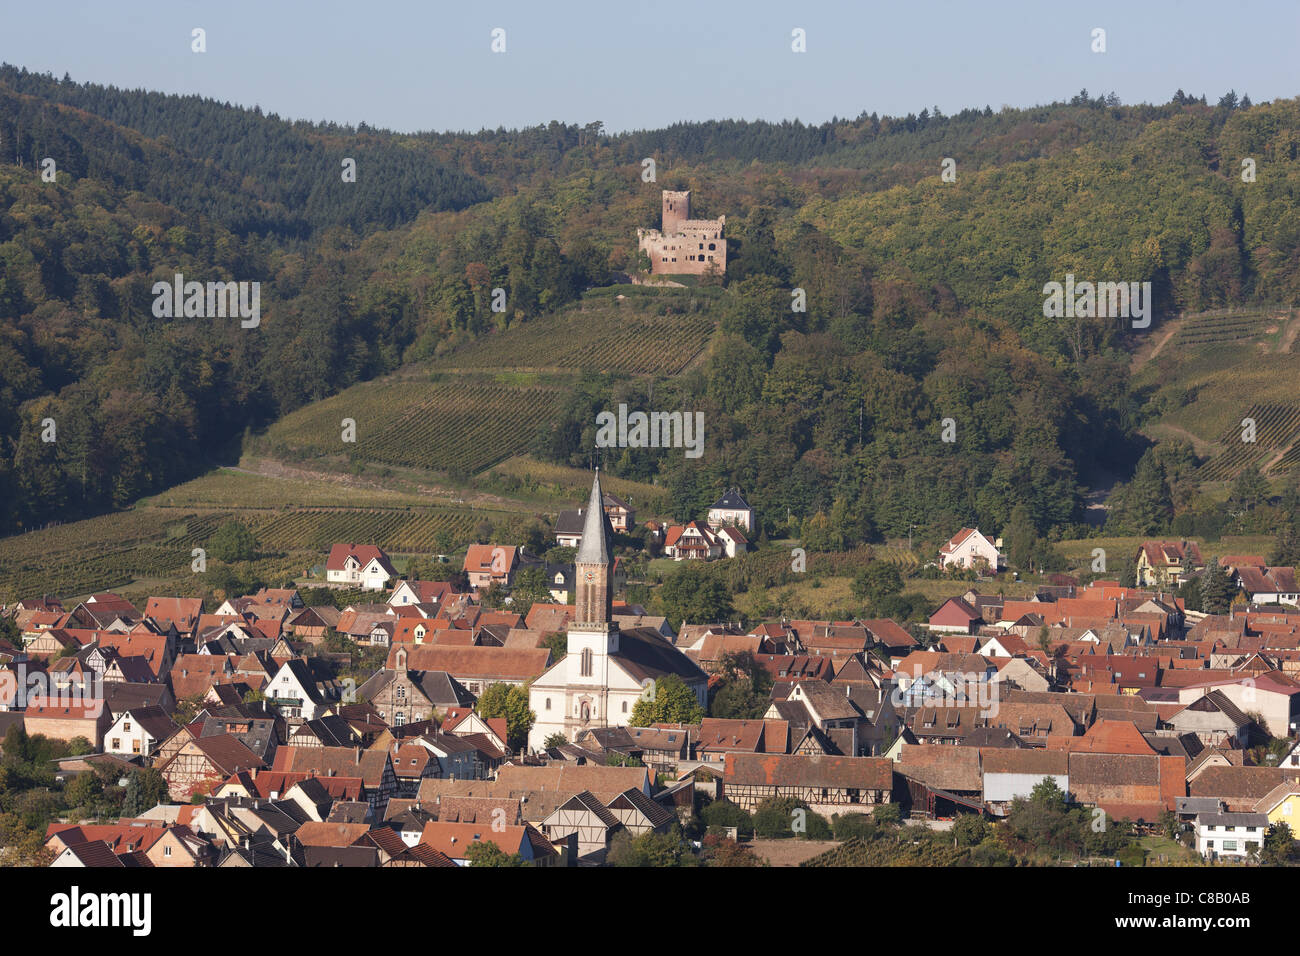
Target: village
point(587, 732)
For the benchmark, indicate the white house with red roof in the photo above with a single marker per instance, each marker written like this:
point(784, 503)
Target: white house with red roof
point(968, 548)
point(693, 540)
point(359, 565)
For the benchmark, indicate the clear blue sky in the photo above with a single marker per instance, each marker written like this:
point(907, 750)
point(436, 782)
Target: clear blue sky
point(427, 64)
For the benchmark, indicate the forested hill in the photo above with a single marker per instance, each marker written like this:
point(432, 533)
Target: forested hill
point(924, 297)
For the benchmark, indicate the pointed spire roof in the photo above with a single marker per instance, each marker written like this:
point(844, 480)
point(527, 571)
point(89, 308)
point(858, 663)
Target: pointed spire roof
point(596, 530)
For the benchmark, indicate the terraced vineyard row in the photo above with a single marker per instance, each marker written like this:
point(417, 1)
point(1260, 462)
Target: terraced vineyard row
point(502, 420)
point(1214, 329)
point(422, 425)
point(1275, 427)
point(102, 552)
point(611, 338)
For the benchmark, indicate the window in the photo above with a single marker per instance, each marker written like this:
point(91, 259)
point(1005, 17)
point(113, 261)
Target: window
point(167, 851)
point(117, 743)
point(586, 662)
point(1229, 846)
point(625, 707)
point(548, 703)
point(126, 726)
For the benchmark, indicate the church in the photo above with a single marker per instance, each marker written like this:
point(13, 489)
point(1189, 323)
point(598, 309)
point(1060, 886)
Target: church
point(606, 669)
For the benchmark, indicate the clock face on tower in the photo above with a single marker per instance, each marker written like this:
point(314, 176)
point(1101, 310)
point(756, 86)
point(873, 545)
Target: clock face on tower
point(590, 576)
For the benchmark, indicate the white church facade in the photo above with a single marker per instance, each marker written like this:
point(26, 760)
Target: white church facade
point(606, 670)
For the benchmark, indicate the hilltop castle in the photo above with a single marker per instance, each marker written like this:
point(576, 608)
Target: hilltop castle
point(684, 245)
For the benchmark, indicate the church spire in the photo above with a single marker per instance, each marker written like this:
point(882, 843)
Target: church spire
point(596, 530)
point(593, 567)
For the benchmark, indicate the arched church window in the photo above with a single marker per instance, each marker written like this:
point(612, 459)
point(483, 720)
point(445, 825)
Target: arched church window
point(586, 662)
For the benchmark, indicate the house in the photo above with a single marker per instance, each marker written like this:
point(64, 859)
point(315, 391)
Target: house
point(1273, 695)
point(1264, 585)
point(202, 763)
point(588, 820)
point(1282, 805)
point(1233, 835)
point(956, 616)
point(359, 565)
point(733, 540)
point(138, 732)
point(1215, 720)
point(970, 549)
point(569, 524)
point(475, 668)
point(731, 509)
point(420, 592)
point(405, 696)
point(488, 564)
point(66, 720)
point(181, 613)
point(828, 785)
point(1167, 564)
point(452, 840)
point(1008, 773)
point(373, 767)
point(693, 541)
point(312, 623)
point(295, 692)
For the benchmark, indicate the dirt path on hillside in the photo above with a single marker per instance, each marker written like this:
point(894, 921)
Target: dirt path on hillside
point(1141, 356)
point(1288, 338)
point(269, 468)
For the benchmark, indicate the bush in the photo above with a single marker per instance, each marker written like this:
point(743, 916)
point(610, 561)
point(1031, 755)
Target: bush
point(887, 815)
point(723, 813)
point(1132, 855)
point(855, 826)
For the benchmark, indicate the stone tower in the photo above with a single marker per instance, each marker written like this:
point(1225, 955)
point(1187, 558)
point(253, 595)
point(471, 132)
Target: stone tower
point(593, 635)
point(676, 210)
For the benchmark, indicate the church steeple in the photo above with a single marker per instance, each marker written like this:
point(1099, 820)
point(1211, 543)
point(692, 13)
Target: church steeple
point(594, 546)
point(593, 566)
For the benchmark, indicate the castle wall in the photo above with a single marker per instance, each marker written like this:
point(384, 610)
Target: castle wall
point(684, 245)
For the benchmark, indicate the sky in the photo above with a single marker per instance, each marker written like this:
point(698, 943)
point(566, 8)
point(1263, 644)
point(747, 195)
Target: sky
point(411, 65)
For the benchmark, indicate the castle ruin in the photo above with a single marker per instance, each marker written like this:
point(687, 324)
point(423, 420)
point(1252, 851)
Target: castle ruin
point(684, 245)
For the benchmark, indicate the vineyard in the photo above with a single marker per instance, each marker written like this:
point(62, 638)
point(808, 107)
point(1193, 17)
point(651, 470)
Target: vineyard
point(421, 425)
point(110, 552)
point(564, 484)
point(595, 335)
point(1215, 328)
point(887, 852)
point(102, 552)
point(1276, 427)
